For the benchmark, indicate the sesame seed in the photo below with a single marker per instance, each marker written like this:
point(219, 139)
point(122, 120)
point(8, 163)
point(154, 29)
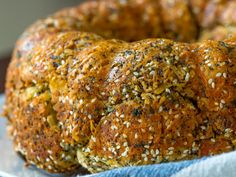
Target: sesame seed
point(151, 129)
point(218, 75)
point(124, 154)
point(221, 105)
point(93, 138)
point(87, 150)
point(143, 130)
point(186, 151)
point(124, 136)
point(176, 105)
point(152, 151)
point(152, 72)
point(113, 127)
point(177, 116)
point(207, 61)
point(113, 92)
point(160, 109)
point(203, 127)
point(135, 135)
point(187, 76)
point(45, 67)
point(112, 149)
point(210, 81)
point(136, 73)
point(93, 100)
point(175, 81)
point(127, 124)
point(87, 87)
point(140, 120)
point(222, 101)
point(228, 130)
point(117, 114)
point(31, 105)
point(117, 120)
point(167, 90)
point(213, 85)
point(143, 155)
point(122, 115)
point(224, 75)
point(71, 101)
point(125, 144)
point(202, 137)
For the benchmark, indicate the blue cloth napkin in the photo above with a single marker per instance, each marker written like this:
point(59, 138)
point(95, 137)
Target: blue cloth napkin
point(223, 165)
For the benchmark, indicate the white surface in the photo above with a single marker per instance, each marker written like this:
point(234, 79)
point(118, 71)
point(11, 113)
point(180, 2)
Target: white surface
point(223, 165)
point(16, 15)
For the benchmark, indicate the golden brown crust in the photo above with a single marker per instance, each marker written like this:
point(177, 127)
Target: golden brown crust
point(118, 19)
point(74, 97)
point(112, 19)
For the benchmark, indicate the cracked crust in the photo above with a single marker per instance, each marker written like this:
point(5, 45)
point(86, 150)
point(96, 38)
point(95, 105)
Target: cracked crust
point(76, 96)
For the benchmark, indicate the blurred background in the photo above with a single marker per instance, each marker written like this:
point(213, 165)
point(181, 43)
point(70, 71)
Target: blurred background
point(15, 16)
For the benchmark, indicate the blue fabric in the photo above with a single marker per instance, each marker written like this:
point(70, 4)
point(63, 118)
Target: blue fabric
point(148, 170)
point(223, 165)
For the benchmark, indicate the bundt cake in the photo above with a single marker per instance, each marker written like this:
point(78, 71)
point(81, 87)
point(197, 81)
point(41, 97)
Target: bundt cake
point(98, 86)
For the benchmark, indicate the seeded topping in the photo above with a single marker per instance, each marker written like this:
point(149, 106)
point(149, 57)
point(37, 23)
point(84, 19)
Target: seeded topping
point(77, 96)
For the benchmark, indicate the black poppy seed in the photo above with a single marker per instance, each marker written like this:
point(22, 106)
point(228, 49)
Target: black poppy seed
point(136, 112)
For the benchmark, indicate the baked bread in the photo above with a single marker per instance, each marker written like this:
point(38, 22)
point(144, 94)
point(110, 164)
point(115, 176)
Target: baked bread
point(85, 86)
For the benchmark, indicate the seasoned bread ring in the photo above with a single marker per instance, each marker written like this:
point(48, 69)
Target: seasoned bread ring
point(76, 96)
